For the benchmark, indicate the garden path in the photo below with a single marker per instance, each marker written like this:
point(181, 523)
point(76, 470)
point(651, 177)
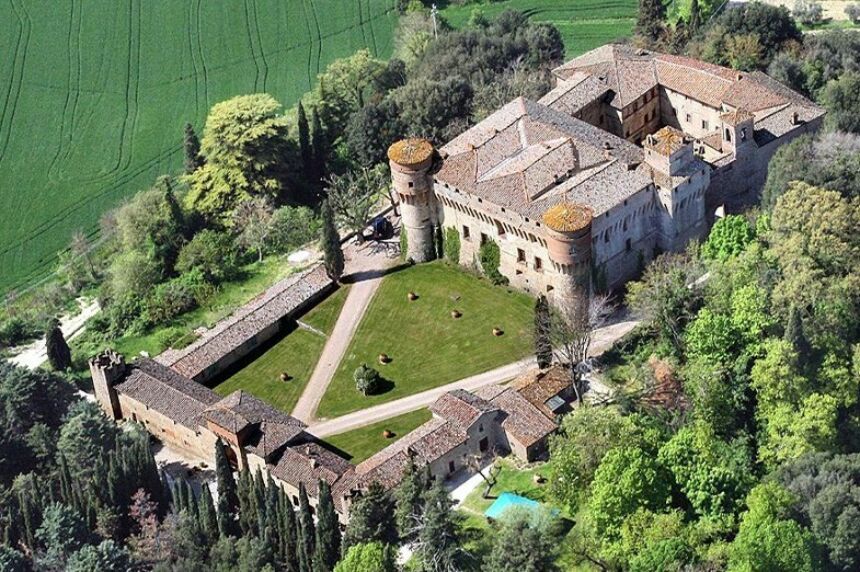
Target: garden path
point(365, 268)
point(34, 354)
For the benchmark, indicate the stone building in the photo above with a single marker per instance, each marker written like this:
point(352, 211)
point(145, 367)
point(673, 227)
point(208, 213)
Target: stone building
point(632, 153)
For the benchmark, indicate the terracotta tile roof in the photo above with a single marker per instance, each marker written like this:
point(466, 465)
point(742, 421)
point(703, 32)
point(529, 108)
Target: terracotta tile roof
point(627, 71)
point(737, 116)
point(523, 421)
point(171, 394)
point(538, 387)
point(567, 217)
point(306, 463)
point(461, 408)
point(525, 156)
point(667, 140)
point(578, 91)
point(272, 429)
point(410, 152)
point(265, 310)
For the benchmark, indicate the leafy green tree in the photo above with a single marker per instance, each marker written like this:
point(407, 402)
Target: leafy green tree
point(327, 531)
point(248, 154)
point(773, 26)
point(353, 195)
point(768, 540)
point(585, 436)
point(253, 220)
point(293, 227)
point(11, 560)
point(543, 346)
point(490, 257)
point(193, 160)
point(372, 129)
point(627, 479)
point(840, 98)
point(62, 533)
point(212, 253)
point(366, 379)
point(367, 557)
point(332, 250)
point(452, 245)
point(525, 542)
point(429, 107)
point(108, 556)
point(650, 20)
point(729, 236)
point(719, 395)
point(711, 337)
point(371, 518)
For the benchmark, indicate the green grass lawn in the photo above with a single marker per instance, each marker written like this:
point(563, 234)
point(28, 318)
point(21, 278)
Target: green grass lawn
point(427, 346)
point(94, 95)
point(360, 444)
point(296, 353)
point(584, 24)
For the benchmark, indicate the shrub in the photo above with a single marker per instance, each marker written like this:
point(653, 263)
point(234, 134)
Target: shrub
point(853, 13)
point(17, 330)
point(175, 297)
point(293, 227)
point(490, 257)
point(366, 379)
point(729, 237)
point(404, 244)
point(212, 253)
point(452, 245)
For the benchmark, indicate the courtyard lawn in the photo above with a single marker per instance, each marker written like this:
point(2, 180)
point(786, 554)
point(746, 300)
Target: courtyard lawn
point(584, 24)
point(296, 354)
point(360, 444)
point(428, 347)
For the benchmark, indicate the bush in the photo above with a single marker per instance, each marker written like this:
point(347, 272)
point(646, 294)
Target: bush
point(853, 13)
point(490, 257)
point(404, 244)
point(452, 245)
point(293, 227)
point(212, 253)
point(808, 12)
point(367, 379)
point(175, 297)
point(729, 237)
point(17, 330)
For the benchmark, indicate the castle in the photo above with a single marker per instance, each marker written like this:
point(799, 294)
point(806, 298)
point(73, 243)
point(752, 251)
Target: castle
point(632, 153)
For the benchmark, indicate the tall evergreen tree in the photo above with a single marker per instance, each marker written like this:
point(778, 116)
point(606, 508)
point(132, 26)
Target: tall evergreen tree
point(409, 497)
point(318, 148)
point(305, 148)
point(371, 518)
point(438, 546)
point(327, 531)
point(289, 536)
point(795, 335)
point(332, 251)
point(650, 20)
point(193, 159)
point(543, 345)
point(59, 355)
point(206, 515)
point(307, 536)
point(228, 500)
point(695, 17)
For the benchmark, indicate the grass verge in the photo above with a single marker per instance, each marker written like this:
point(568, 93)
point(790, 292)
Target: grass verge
point(360, 444)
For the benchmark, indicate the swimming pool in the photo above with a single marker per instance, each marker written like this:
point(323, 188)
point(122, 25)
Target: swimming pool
point(507, 500)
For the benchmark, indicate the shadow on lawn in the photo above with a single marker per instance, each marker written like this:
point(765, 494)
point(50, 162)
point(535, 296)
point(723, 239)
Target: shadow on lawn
point(370, 274)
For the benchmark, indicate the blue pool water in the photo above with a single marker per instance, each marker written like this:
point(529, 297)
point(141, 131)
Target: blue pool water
point(507, 500)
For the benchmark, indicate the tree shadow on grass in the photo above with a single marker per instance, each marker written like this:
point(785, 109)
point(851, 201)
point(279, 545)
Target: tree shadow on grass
point(370, 274)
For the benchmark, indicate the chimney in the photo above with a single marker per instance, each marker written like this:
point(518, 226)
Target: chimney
point(313, 463)
point(795, 118)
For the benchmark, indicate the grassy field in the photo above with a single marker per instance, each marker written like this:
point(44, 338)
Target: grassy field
point(427, 346)
point(94, 95)
point(295, 353)
point(359, 444)
point(584, 24)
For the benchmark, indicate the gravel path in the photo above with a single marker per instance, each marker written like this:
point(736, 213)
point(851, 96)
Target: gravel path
point(34, 354)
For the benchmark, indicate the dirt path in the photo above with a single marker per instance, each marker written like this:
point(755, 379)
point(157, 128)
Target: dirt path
point(603, 339)
point(34, 354)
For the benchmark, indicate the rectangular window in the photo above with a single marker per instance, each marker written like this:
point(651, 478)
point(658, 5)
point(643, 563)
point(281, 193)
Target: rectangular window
point(705, 124)
point(628, 245)
point(484, 238)
point(521, 256)
point(466, 235)
point(451, 466)
point(689, 118)
point(538, 264)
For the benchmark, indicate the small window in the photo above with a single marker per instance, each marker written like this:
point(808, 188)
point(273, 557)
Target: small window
point(466, 234)
point(451, 466)
point(705, 124)
point(728, 135)
point(628, 245)
point(689, 118)
point(538, 263)
point(521, 256)
point(411, 184)
point(484, 238)
point(549, 288)
point(481, 428)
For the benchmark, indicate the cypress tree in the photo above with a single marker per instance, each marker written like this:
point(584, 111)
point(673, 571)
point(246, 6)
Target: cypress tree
point(543, 346)
point(409, 498)
point(289, 539)
point(439, 242)
point(649, 21)
point(206, 515)
point(318, 149)
point(371, 518)
point(305, 139)
point(695, 17)
point(327, 531)
point(795, 335)
point(59, 355)
point(306, 535)
point(247, 510)
point(193, 159)
point(224, 477)
point(332, 251)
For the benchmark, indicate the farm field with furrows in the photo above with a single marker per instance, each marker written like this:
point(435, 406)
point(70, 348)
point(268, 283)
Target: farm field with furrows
point(584, 24)
point(94, 95)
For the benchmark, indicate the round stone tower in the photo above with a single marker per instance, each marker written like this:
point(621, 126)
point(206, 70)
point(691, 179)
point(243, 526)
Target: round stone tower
point(569, 244)
point(411, 161)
